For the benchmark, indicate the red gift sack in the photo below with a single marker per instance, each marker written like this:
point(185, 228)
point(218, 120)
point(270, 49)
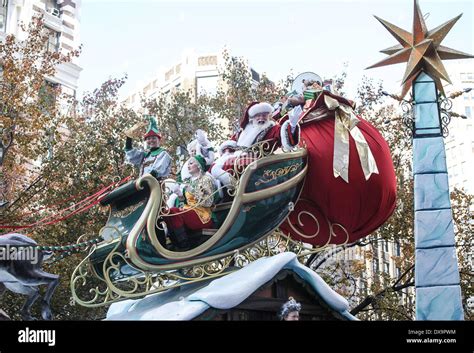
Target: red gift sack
point(331, 210)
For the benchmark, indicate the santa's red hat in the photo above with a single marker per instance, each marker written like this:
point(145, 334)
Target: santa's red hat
point(253, 109)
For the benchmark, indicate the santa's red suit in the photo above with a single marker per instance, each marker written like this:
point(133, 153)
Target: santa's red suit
point(284, 135)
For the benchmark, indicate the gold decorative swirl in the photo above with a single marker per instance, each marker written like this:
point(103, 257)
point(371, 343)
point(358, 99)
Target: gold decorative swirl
point(248, 155)
point(84, 277)
point(270, 174)
point(248, 208)
point(301, 224)
point(145, 283)
point(332, 233)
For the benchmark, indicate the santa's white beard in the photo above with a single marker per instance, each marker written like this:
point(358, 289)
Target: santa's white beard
point(251, 131)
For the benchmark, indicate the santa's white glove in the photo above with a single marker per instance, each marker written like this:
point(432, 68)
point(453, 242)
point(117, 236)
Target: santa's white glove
point(171, 202)
point(201, 137)
point(176, 189)
point(294, 116)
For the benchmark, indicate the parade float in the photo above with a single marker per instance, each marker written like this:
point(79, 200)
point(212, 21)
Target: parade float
point(280, 201)
point(335, 187)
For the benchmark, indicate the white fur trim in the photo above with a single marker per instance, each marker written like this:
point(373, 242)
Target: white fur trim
point(227, 144)
point(285, 140)
point(171, 200)
point(185, 171)
point(223, 159)
point(195, 144)
point(260, 108)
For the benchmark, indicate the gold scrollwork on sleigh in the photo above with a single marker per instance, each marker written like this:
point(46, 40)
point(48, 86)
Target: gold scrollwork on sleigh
point(271, 175)
point(247, 156)
point(109, 290)
point(331, 228)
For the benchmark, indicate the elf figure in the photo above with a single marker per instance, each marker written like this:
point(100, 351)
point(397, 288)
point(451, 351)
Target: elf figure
point(198, 197)
point(200, 145)
point(155, 160)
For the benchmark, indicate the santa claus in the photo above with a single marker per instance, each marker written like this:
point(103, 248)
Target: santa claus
point(256, 126)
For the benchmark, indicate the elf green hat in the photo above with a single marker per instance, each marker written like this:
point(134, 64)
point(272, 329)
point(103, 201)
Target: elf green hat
point(152, 127)
point(202, 162)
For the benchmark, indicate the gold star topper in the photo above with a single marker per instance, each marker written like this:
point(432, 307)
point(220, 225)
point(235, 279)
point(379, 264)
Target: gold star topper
point(422, 50)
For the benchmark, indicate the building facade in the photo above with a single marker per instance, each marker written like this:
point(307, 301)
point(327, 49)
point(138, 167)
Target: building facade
point(62, 21)
point(370, 268)
point(191, 72)
point(61, 18)
point(460, 141)
point(200, 73)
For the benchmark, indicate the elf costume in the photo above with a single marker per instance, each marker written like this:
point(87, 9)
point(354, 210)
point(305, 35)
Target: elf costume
point(196, 213)
point(155, 161)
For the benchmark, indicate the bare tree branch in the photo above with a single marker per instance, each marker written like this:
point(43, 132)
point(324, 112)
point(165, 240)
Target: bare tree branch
point(373, 299)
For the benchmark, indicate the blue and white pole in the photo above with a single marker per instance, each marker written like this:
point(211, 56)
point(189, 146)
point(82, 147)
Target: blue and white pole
point(437, 281)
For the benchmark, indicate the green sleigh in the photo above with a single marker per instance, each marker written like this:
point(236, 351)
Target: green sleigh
point(131, 261)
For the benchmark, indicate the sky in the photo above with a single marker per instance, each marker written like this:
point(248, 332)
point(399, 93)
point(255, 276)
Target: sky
point(137, 37)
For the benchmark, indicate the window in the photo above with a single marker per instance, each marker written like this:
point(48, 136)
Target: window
point(397, 249)
point(398, 272)
point(468, 112)
point(376, 266)
point(363, 288)
point(3, 15)
point(51, 4)
point(386, 267)
point(53, 41)
point(207, 85)
point(47, 96)
point(255, 75)
point(376, 251)
point(385, 246)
